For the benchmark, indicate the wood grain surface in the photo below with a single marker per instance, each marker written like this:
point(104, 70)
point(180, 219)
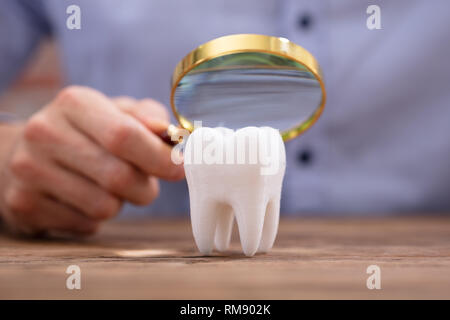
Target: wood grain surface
point(311, 259)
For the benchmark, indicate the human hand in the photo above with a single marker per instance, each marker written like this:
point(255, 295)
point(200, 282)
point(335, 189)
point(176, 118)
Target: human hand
point(75, 162)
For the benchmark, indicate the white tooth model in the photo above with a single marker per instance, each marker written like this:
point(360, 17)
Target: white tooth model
point(235, 174)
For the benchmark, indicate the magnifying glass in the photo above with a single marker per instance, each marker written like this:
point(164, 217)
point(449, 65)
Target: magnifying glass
point(245, 80)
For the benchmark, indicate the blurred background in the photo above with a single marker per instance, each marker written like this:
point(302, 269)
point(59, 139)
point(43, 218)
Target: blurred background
point(37, 83)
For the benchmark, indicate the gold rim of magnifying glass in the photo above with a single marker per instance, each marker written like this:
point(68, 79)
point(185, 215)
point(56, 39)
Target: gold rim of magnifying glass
point(238, 43)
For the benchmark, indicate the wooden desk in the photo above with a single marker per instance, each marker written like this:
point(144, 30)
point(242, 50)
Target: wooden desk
point(311, 259)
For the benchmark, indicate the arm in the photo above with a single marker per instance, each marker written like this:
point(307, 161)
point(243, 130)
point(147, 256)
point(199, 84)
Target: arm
point(8, 136)
point(22, 26)
point(9, 133)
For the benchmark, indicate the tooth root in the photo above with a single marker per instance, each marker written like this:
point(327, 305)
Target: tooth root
point(203, 220)
point(250, 220)
point(224, 227)
point(270, 228)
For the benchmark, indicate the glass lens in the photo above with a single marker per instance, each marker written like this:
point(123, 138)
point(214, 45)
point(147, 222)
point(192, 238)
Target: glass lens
point(248, 89)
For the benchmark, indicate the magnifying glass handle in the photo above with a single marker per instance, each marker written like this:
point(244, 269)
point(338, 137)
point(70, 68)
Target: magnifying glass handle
point(167, 138)
point(167, 135)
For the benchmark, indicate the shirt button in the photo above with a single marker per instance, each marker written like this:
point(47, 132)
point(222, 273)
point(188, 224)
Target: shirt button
point(304, 21)
point(305, 157)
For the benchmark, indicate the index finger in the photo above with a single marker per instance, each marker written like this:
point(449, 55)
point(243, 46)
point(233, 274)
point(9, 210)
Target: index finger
point(147, 111)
